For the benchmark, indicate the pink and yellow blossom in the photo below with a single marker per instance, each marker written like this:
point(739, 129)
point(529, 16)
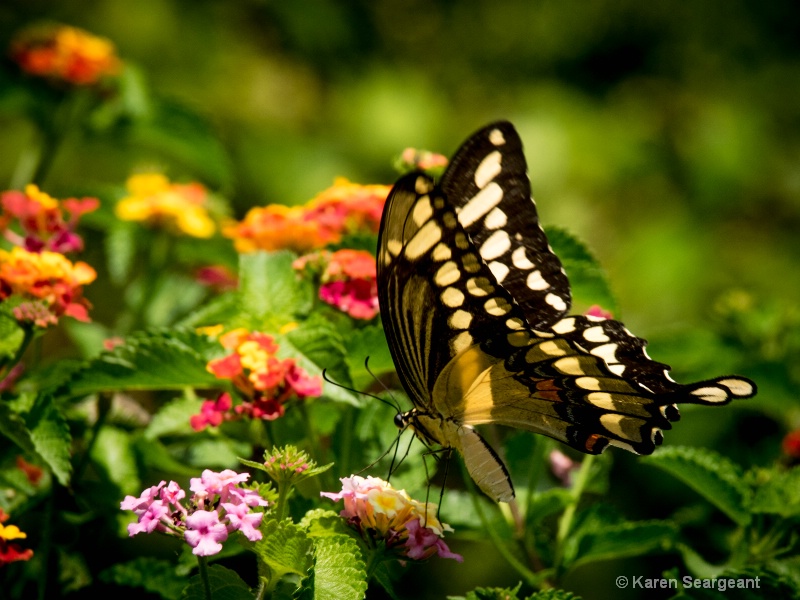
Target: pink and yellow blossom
point(44, 223)
point(348, 280)
point(381, 513)
point(264, 381)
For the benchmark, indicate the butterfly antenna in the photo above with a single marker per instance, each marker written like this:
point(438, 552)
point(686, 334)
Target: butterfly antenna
point(394, 445)
point(395, 404)
point(358, 392)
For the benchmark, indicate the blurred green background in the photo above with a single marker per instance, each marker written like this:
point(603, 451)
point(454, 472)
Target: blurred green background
point(666, 135)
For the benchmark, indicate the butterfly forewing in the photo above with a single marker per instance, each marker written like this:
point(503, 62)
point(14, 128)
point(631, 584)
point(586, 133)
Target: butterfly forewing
point(487, 182)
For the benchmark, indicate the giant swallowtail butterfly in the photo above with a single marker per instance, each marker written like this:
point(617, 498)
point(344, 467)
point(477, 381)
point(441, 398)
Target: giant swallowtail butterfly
point(474, 303)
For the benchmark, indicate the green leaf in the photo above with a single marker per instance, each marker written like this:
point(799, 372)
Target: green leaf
point(587, 278)
point(173, 418)
point(150, 360)
point(624, 539)
point(120, 242)
point(553, 595)
point(184, 137)
point(368, 342)
point(13, 426)
point(11, 334)
point(322, 344)
point(711, 475)
point(777, 493)
point(339, 569)
point(546, 503)
point(270, 289)
point(152, 453)
point(316, 347)
point(285, 548)
point(113, 454)
point(495, 593)
point(151, 574)
point(50, 435)
point(224, 583)
point(321, 522)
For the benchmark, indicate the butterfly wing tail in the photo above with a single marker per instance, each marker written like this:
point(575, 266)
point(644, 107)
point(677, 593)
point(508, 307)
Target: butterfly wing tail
point(484, 466)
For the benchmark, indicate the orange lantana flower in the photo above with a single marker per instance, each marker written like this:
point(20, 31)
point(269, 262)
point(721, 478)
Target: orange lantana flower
point(64, 53)
point(343, 208)
point(50, 284)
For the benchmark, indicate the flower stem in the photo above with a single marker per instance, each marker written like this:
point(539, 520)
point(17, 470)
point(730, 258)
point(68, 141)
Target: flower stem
point(202, 563)
point(531, 578)
point(565, 524)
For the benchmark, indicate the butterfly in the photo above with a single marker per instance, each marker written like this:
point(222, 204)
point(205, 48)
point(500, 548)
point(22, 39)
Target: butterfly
point(474, 306)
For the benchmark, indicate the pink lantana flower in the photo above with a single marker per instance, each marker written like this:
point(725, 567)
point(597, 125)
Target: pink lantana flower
point(377, 511)
point(348, 280)
point(218, 507)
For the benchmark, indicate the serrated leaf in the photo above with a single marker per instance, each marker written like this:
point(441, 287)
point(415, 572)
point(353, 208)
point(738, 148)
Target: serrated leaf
point(624, 539)
point(553, 595)
point(710, 474)
point(317, 350)
point(321, 523)
point(339, 569)
point(587, 279)
point(323, 345)
point(153, 575)
point(224, 308)
point(112, 452)
point(270, 289)
point(778, 494)
point(224, 583)
point(493, 593)
point(285, 548)
point(150, 360)
point(50, 435)
point(13, 426)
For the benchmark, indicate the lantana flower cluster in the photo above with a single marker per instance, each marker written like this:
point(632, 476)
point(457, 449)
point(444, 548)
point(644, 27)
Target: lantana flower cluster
point(381, 513)
point(343, 208)
point(10, 550)
point(178, 207)
point(265, 381)
point(348, 280)
point(218, 507)
point(424, 160)
point(44, 223)
point(50, 285)
point(65, 54)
